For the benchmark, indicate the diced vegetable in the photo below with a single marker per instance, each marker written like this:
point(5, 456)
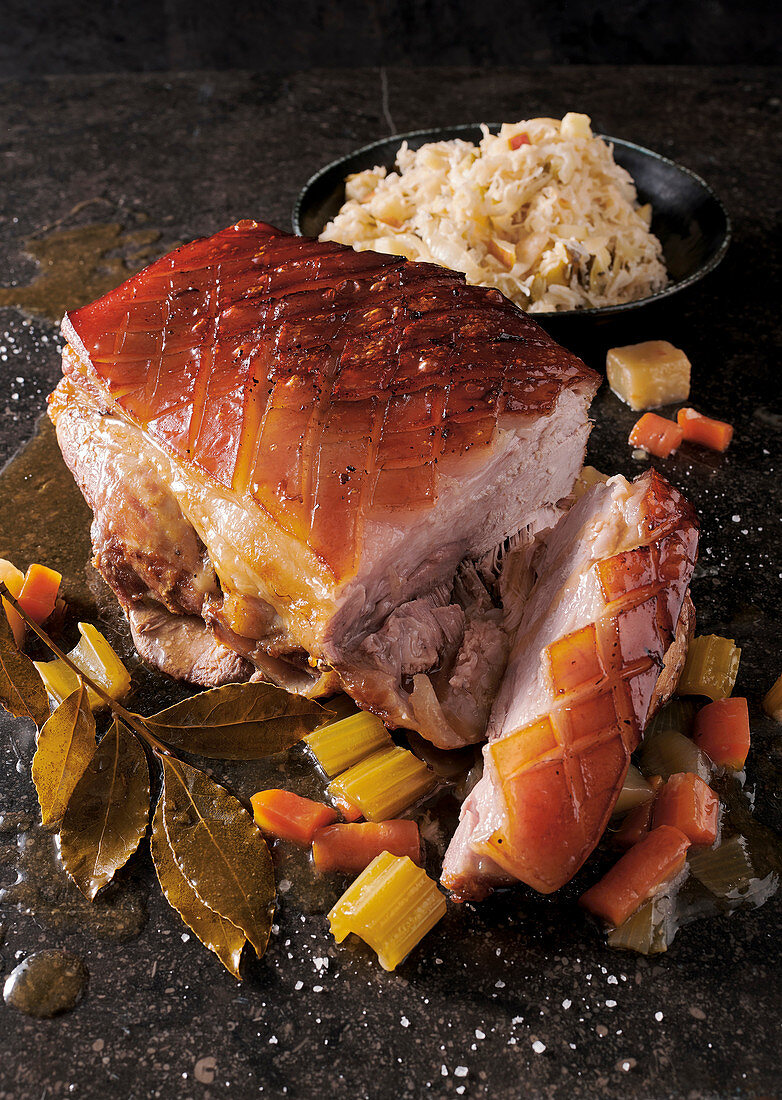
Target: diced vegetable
point(677, 714)
point(349, 810)
point(638, 821)
point(635, 790)
point(722, 732)
point(588, 477)
point(638, 875)
point(13, 579)
point(39, 592)
point(711, 667)
point(289, 816)
point(340, 744)
point(726, 871)
point(503, 251)
point(634, 827)
point(519, 139)
point(690, 805)
point(667, 752)
point(93, 656)
point(772, 701)
point(714, 434)
point(385, 783)
point(575, 125)
point(391, 906)
point(655, 434)
point(353, 847)
point(646, 931)
point(648, 375)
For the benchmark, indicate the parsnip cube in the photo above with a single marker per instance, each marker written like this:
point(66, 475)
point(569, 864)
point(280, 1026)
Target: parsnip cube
point(648, 375)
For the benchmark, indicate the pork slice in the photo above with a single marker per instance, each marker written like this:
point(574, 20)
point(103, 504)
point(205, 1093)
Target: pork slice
point(586, 659)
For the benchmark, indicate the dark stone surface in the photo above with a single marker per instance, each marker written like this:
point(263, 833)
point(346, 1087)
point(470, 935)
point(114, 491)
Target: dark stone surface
point(194, 153)
point(80, 36)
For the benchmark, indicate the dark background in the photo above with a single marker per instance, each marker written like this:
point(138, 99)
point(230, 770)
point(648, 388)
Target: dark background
point(77, 36)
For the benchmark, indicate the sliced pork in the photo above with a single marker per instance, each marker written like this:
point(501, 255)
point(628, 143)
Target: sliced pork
point(599, 643)
point(296, 455)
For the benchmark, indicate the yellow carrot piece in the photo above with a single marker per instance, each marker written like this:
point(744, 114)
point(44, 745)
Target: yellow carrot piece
point(384, 784)
point(340, 744)
point(772, 701)
point(391, 906)
point(711, 667)
point(93, 656)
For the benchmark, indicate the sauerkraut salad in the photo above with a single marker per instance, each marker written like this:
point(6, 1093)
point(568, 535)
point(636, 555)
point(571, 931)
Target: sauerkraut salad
point(540, 211)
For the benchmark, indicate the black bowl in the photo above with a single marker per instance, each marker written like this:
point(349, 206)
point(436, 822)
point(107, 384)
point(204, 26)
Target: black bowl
point(688, 218)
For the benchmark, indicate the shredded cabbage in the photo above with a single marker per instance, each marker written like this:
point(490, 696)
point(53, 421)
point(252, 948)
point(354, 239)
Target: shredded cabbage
point(540, 211)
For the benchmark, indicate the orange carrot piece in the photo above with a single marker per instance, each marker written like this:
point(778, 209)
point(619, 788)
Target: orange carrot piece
point(353, 847)
point(690, 805)
point(722, 732)
point(638, 821)
point(348, 810)
point(519, 139)
point(289, 816)
point(638, 875)
point(655, 434)
point(39, 592)
point(697, 428)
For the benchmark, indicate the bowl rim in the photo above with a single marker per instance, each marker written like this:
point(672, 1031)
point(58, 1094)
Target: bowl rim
point(593, 311)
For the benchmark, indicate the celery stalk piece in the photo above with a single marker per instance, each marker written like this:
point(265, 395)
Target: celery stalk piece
point(668, 752)
point(340, 744)
point(391, 906)
point(61, 681)
point(385, 783)
point(94, 657)
point(635, 790)
point(772, 701)
point(647, 930)
point(711, 667)
point(677, 714)
point(726, 871)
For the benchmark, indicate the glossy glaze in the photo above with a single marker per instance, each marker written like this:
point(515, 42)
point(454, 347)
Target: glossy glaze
point(321, 383)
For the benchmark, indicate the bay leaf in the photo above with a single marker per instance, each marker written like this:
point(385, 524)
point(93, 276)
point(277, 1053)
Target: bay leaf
point(66, 745)
point(214, 931)
point(219, 849)
point(238, 721)
point(108, 812)
point(21, 688)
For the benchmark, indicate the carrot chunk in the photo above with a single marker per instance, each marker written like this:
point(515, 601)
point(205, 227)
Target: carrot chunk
point(638, 875)
point(353, 847)
point(289, 816)
point(722, 732)
point(655, 434)
point(349, 810)
point(39, 592)
point(697, 428)
point(518, 140)
point(688, 804)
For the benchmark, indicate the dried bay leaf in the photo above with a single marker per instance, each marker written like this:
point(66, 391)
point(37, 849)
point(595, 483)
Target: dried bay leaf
point(21, 688)
point(108, 812)
point(238, 721)
point(214, 931)
point(219, 849)
point(66, 745)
